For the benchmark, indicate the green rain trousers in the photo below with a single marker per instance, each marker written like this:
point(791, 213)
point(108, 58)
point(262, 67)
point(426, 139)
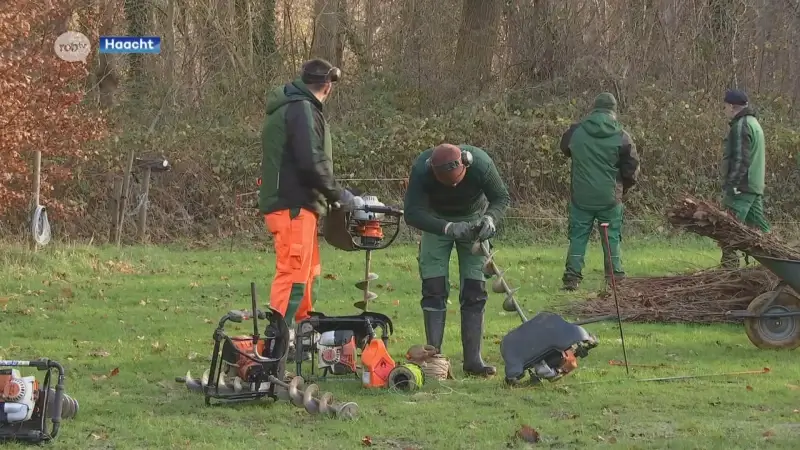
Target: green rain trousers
point(581, 223)
point(434, 259)
point(749, 209)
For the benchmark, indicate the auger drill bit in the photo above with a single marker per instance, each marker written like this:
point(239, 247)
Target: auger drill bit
point(499, 285)
point(363, 285)
point(69, 406)
point(304, 397)
point(223, 386)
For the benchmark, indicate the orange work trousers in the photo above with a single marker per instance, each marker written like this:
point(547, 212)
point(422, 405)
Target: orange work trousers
point(297, 262)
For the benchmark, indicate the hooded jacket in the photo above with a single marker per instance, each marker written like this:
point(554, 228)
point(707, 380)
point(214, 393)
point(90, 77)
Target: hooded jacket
point(743, 161)
point(604, 161)
point(296, 163)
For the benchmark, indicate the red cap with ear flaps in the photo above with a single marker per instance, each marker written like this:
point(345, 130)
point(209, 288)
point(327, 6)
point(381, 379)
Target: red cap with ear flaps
point(447, 165)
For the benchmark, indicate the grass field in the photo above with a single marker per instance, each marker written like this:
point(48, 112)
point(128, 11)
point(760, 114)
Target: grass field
point(126, 322)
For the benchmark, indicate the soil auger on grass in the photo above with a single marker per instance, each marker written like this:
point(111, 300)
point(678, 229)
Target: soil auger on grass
point(546, 347)
point(241, 371)
point(26, 403)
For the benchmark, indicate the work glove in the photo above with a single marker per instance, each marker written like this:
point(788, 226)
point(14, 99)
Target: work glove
point(346, 201)
point(486, 228)
point(458, 230)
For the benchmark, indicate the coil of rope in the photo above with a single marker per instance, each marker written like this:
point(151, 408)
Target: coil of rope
point(434, 365)
point(40, 226)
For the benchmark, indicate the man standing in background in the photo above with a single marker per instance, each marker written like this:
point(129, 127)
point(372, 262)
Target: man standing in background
point(604, 167)
point(743, 167)
point(297, 184)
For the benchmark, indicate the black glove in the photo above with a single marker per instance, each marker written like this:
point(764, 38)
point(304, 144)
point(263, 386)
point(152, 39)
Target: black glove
point(458, 230)
point(486, 228)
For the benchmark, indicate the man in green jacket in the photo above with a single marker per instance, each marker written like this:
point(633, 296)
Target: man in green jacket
point(605, 166)
point(297, 184)
point(743, 165)
point(454, 196)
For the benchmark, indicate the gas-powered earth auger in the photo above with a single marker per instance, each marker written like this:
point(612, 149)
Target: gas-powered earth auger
point(547, 347)
point(26, 403)
point(252, 367)
point(334, 342)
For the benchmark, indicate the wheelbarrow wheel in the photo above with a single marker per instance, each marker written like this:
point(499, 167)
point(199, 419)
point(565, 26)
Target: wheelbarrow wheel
point(773, 332)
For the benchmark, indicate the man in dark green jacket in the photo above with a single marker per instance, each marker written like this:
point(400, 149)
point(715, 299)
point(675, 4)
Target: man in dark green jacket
point(297, 184)
point(743, 165)
point(605, 166)
point(454, 196)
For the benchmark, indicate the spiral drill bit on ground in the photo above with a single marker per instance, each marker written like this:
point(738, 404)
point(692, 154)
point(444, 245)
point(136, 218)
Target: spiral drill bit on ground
point(294, 391)
point(363, 285)
point(305, 397)
point(499, 286)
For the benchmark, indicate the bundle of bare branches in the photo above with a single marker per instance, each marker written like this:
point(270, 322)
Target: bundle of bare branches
point(705, 219)
point(701, 297)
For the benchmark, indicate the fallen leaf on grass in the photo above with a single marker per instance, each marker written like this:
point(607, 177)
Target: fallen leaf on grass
point(207, 320)
point(768, 434)
point(157, 347)
point(4, 303)
point(396, 303)
point(749, 388)
point(114, 372)
point(528, 434)
point(330, 276)
point(192, 356)
point(193, 284)
point(99, 436)
point(793, 387)
point(366, 441)
point(100, 354)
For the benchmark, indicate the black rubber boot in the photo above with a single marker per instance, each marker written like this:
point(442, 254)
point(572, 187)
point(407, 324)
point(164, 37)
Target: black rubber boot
point(570, 285)
point(434, 309)
point(434, 327)
point(471, 336)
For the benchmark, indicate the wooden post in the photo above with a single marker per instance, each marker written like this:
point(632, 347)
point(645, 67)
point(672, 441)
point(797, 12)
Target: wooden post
point(37, 185)
point(141, 224)
point(123, 204)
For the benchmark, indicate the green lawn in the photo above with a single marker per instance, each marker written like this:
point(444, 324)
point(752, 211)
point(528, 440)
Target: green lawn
point(145, 311)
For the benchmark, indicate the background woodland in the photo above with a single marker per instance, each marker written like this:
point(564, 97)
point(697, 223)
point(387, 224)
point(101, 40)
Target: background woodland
point(508, 76)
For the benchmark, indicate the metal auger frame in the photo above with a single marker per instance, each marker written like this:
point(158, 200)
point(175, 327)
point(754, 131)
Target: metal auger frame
point(214, 385)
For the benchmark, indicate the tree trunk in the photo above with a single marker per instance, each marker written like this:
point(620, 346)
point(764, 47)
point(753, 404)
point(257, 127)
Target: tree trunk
point(476, 41)
point(328, 37)
point(264, 40)
point(137, 13)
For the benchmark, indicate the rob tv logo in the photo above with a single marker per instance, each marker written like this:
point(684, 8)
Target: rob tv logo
point(130, 44)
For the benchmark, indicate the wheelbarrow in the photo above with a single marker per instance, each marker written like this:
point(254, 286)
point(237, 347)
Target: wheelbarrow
point(772, 320)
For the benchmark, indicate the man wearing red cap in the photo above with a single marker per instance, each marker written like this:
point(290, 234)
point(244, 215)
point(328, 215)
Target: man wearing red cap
point(455, 195)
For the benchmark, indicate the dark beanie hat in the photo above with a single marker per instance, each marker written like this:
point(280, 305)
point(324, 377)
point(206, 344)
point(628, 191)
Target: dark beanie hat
point(735, 97)
point(605, 100)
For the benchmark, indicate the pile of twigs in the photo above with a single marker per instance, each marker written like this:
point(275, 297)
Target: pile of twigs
point(705, 219)
point(702, 297)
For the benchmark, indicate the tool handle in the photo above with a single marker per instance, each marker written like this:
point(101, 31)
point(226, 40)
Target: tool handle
point(388, 210)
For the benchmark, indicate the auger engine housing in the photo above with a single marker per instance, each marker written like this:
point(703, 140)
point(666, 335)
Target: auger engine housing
point(25, 404)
